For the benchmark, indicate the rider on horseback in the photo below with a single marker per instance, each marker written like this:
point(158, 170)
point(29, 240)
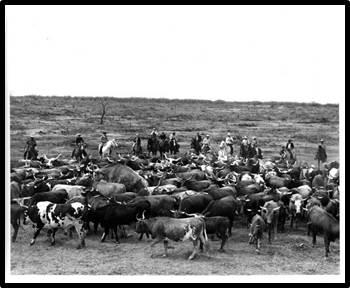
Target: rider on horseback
point(104, 140)
point(30, 148)
point(79, 149)
point(206, 144)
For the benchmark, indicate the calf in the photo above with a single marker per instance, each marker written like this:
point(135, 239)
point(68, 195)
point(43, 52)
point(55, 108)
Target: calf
point(256, 233)
point(165, 228)
point(269, 213)
point(56, 216)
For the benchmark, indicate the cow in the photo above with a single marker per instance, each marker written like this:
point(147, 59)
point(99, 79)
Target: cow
point(256, 232)
point(160, 204)
point(269, 213)
point(167, 228)
point(277, 182)
point(296, 209)
point(109, 189)
point(332, 207)
point(196, 185)
point(17, 210)
point(282, 216)
point(221, 192)
point(72, 190)
point(217, 225)
point(119, 173)
point(116, 213)
point(15, 190)
point(195, 203)
point(56, 216)
point(227, 206)
point(320, 221)
point(58, 197)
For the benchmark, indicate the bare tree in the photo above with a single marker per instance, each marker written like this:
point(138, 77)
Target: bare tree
point(103, 103)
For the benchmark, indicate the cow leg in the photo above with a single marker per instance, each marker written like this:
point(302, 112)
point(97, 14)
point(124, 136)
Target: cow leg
point(314, 233)
point(258, 243)
point(154, 243)
point(15, 227)
point(165, 241)
point(141, 235)
point(223, 241)
point(230, 229)
point(79, 227)
point(115, 229)
point(326, 245)
point(270, 234)
point(291, 220)
point(105, 233)
point(195, 249)
point(95, 227)
point(36, 233)
point(53, 240)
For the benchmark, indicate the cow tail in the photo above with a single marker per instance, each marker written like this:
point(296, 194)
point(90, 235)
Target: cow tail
point(205, 232)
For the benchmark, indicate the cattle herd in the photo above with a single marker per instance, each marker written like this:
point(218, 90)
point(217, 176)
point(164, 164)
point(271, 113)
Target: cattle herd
point(178, 199)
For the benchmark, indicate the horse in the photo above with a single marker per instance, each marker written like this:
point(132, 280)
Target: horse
point(163, 147)
point(290, 157)
point(152, 146)
point(173, 147)
point(79, 152)
point(31, 154)
point(109, 148)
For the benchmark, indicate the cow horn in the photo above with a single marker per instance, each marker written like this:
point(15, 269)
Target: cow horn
point(137, 218)
point(277, 208)
point(319, 197)
point(305, 209)
point(143, 215)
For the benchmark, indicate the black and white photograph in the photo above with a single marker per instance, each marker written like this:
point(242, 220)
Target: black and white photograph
point(174, 143)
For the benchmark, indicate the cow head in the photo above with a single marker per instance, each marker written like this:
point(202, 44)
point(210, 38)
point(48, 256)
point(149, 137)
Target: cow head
point(141, 224)
point(269, 210)
point(77, 210)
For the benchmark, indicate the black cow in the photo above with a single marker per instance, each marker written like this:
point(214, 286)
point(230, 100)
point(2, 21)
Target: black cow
point(17, 211)
point(195, 203)
point(320, 221)
point(58, 197)
point(227, 206)
point(115, 214)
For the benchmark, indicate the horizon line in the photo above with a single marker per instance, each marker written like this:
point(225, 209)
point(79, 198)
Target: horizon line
point(178, 99)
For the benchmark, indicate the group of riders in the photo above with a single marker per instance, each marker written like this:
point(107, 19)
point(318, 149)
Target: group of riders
point(165, 144)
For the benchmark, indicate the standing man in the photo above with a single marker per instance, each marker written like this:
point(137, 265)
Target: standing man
point(321, 154)
point(229, 142)
point(104, 140)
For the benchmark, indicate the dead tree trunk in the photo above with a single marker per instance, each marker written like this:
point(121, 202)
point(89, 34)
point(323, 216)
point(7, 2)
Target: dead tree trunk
point(103, 111)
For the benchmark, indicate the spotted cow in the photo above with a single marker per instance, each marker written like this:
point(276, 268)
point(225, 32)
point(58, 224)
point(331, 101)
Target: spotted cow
point(54, 216)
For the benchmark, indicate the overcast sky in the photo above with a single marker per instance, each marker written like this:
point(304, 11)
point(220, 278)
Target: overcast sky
point(235, 53)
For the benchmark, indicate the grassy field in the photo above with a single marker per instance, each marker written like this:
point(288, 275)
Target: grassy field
point(56, 120)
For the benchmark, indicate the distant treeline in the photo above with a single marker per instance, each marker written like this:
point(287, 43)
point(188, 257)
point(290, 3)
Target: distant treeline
point(167, 100)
